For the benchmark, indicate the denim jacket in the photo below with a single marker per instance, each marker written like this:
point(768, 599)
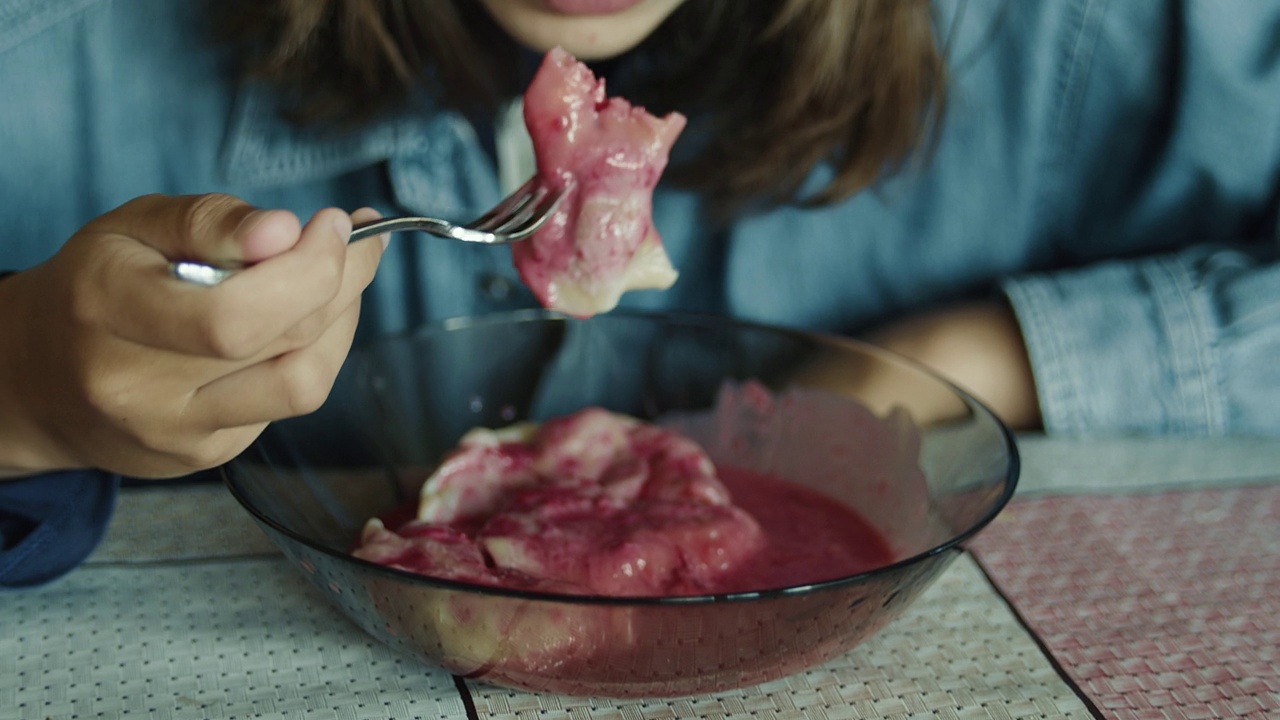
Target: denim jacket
point(1111, 166)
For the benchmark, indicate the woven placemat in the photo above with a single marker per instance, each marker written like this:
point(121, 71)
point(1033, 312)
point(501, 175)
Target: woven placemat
point(193, 521)
point(250, 638)
point(1163, 605)
point(957, 653)
point(240, 639)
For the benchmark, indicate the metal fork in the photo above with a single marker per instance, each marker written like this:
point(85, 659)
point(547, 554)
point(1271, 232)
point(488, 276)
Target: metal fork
point(517, 217)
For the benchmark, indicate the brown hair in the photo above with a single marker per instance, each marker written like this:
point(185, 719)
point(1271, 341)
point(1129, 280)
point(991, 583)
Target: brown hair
point(784, 85)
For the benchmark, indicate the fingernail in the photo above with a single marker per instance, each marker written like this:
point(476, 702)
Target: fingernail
point(342, 225)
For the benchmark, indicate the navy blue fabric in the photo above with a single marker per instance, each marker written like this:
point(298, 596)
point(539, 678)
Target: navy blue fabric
point(50, 523)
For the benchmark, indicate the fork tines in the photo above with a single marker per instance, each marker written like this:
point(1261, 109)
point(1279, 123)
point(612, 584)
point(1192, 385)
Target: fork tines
point(520, 213)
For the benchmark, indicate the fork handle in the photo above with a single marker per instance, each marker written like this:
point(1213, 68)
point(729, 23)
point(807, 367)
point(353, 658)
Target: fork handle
point(400, 224)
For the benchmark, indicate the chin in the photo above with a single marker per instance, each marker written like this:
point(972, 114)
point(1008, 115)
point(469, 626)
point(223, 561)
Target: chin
point(588, 29)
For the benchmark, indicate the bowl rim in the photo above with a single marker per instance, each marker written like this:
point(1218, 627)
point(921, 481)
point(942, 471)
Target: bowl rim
point(1011, 473)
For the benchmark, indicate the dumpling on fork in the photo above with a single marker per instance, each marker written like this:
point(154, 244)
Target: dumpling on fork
point(607, 155)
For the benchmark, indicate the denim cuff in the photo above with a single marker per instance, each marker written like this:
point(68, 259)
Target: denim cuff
point(50, 523)
point(1123, 347)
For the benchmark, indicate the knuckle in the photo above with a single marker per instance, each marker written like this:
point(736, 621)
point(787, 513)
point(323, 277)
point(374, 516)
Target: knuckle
point(87, 298)
point(370, 261)
point(225, 341)
point(140, 205)
point(210, 210)
point(105, 398)
point(201, 450)
point(157, 444)
point(84, 305)
point(145, 202)
point(332, 270)
point(307, 331)
point(306, 383)
point(226, 335)
point(204, 214)
point(201, 456)
point(109, 393)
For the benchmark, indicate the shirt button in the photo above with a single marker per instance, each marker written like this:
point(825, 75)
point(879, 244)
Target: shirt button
point(497, 287)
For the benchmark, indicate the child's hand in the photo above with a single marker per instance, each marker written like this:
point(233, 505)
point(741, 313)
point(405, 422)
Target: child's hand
point(108, 361)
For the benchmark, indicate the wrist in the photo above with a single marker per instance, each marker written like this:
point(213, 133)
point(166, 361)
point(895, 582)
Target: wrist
point(24, 449)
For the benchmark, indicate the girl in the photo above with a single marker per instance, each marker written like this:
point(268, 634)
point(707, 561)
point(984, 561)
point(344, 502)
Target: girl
point(1069, 208)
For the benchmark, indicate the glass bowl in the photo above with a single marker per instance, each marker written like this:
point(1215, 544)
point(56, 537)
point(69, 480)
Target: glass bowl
point(922, 461)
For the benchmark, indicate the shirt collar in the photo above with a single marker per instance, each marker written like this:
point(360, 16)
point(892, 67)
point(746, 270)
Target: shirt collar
point(436, 163)
point(20, 19)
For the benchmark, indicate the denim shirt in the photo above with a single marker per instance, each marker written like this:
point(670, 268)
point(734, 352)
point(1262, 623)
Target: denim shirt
point(1112, 167)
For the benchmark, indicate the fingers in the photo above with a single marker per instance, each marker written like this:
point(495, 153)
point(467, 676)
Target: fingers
point(297, 381)
point(307, 285)
point(294, 383)
point(214, 228)
point(360, 265)
point(293, 375)
point(132, 370)
point(248, 312)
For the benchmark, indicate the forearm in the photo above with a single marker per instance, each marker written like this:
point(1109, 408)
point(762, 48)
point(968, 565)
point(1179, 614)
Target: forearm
point(978, 347)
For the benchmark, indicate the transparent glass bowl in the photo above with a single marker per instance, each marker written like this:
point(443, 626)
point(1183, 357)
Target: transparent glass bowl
point(928, 475)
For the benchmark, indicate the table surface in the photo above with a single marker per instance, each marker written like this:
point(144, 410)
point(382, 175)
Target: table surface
point(1129, 578)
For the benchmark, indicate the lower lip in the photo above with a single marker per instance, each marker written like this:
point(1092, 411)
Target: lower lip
point(590, 7)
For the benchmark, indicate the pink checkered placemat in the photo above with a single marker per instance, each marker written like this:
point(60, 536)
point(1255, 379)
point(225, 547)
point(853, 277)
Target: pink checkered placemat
point(1157, 605)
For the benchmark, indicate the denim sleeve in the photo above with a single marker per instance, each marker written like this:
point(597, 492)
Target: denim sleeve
point(1164, 191)
point(1184, 343)
point(50, 523)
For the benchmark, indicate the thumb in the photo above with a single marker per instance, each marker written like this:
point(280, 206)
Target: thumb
point(213, 228)
point(264, 234)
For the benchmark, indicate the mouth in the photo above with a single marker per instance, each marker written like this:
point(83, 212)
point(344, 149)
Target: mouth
point(590, 7)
